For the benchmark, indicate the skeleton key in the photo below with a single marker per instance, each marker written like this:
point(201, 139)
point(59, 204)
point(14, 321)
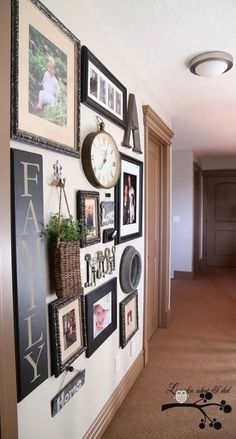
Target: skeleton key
point(107, 255)
point(99, 270)
point(87, 259)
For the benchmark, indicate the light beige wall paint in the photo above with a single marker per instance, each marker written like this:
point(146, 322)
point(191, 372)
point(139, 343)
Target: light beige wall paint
point(101, 380)
point(7, 354)
point(182, 210)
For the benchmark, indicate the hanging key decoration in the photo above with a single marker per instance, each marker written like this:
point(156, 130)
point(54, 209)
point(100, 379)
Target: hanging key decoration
point(99, 266)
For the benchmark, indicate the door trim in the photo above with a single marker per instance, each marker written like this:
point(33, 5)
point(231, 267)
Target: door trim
point(196, 220)
point(154, 127)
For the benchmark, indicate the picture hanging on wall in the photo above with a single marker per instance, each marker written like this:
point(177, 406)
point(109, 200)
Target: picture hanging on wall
point(45, 79)
point(107, 213)
point(67, 331)
point(101, 318)
point(88, 214)
point(129, 200)
point(128, 318)
point(101, 91)
point(29, 271)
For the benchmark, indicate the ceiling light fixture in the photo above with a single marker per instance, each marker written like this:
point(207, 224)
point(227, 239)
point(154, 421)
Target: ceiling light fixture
point(211, 64)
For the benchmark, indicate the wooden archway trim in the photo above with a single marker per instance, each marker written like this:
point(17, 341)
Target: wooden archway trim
point(155, 127)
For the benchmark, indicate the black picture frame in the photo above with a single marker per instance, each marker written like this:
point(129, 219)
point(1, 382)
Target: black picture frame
point(101, 90)
point(96, 335)
point(128, 221)
point(64, 328)
point(89, 214)
point(39, 104)
point(129, 321)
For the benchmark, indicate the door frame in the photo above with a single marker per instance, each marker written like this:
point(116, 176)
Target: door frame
point(196, 220)
point(8, 397)
point(154, 127)
point(206, 175)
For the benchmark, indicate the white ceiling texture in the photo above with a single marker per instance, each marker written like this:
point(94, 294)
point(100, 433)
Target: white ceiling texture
point(159, 37)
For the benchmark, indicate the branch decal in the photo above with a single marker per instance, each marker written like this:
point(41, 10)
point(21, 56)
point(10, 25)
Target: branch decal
point(200, 405)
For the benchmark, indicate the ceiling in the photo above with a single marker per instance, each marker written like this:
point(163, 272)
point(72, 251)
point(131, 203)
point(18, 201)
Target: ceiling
point(159, 37)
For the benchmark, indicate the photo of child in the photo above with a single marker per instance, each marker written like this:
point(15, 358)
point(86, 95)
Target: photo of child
point(47, 79)
point(101, 314)
point(69, 329)
point(90, 217)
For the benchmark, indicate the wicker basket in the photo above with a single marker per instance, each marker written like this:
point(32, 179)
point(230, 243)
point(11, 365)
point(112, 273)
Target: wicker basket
point(66, 256)
point(67, 268)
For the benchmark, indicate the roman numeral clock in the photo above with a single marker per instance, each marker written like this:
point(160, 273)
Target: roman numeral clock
point(101, 159)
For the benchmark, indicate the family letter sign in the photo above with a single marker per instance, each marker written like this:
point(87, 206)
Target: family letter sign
point(29, 271)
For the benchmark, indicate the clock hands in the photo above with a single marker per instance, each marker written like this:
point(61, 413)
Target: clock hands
point(104, 160)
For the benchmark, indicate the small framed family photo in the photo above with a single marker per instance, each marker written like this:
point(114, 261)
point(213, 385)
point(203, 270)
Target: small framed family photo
point(107, 213)
point(129, 200)
point(45, 79)
point(89, 215)
point(101, 315)
point(67, 331)
point(128, 318)
point(101, 90)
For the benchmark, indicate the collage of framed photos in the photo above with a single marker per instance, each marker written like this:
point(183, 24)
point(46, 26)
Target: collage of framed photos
point(51, 75)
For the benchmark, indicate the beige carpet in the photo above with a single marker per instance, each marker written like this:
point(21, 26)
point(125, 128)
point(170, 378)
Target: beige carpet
point(197, 351)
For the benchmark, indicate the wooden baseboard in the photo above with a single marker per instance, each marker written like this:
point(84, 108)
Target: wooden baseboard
point(105, 416)
point(183, 275)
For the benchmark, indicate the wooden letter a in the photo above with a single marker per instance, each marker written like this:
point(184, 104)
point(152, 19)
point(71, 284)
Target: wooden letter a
point(132, 124)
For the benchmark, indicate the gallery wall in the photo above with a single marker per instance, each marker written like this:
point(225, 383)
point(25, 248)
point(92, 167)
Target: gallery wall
point(101, 379)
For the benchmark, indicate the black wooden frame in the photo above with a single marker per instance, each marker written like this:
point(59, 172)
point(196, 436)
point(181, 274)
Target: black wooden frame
point(85, 98)
point(57, 365)
point(16, 132)
point(119, 201)
point(123, 338)
point(93, 343)
point(81, 215)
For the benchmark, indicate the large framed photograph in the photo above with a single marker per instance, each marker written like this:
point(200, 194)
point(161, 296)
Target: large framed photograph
point(89, 215)
point(67, 331)
point(101, 90)
point(128, 318)
point(129, 200)
point(45, 79)
point(101, 317)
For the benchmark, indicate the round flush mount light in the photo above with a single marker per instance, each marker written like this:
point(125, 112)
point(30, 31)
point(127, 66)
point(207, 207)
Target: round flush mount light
point(211, 64)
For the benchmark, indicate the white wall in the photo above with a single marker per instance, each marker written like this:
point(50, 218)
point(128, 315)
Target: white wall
point(34, 415)
point(182, 211)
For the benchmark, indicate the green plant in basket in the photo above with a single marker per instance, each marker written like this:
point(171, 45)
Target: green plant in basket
point(67, 230)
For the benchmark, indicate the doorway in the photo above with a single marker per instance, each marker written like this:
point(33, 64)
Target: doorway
point(157, 224)
point(219, 210)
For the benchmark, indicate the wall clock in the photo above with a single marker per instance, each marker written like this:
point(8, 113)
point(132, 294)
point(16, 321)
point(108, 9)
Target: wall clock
point(101, 159)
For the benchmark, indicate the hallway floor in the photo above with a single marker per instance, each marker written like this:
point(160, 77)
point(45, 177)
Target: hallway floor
point(198, 354)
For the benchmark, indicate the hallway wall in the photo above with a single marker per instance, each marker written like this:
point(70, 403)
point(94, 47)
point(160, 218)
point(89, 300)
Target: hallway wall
point(218, 163)
point(182, 211)
point(34, 414)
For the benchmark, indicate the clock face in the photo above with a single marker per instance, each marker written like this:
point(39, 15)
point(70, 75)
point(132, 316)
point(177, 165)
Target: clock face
point(105, 160)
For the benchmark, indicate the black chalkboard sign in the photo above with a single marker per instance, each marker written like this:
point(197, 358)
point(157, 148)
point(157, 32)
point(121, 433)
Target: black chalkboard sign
point(65, 394)
point(29, 271)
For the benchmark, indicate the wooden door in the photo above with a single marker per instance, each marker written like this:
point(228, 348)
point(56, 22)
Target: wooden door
point(153, 232)
point(220, 245)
